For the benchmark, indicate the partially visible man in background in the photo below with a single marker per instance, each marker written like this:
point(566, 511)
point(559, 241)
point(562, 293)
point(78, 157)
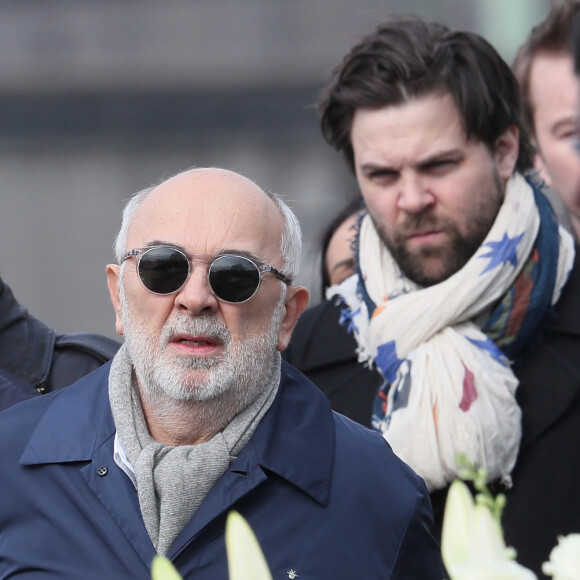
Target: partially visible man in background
point(34, 353)
point(13, 390)
point(467, 295)
point(544, 67)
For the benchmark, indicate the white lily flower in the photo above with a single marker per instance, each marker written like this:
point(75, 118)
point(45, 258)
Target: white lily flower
point(564, 561)
point(498, 570)
point(472, 542)
point(246, 560)
point(163, 569)
point(457, 524)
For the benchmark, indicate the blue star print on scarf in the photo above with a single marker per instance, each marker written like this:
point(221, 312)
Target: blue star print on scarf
point(502, 252)
point(388, 361)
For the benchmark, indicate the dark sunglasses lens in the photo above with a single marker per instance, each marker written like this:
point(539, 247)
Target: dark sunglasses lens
point(163, 270)
point(234, 278)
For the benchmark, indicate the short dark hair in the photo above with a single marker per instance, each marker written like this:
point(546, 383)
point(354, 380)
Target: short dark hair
point(553, 36)
point(407, 58)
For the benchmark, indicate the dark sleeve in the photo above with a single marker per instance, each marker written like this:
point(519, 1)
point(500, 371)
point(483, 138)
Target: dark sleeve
point(13, 391)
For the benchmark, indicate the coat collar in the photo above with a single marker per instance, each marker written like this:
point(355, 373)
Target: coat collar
point(294, 440)
point(76, 422)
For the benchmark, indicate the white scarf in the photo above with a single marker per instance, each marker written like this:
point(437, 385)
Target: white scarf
point(463, 395)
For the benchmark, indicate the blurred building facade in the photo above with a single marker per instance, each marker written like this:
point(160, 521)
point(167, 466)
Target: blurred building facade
point(101, 99)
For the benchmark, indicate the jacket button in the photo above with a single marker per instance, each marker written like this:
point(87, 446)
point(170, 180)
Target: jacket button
point(102, 471)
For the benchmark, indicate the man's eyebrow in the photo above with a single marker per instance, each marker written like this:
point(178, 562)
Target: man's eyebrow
point(455, 153)
point(226, 251)
point(376, 167)
point(243, 253)
point(154, 243)
point(439, 155)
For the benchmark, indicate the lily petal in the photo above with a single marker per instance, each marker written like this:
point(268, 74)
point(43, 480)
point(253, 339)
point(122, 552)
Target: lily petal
point(456, 535)
point(497, 570)
point(488, 542)
point(163, 569)
point(564, 561)
point(246, 560)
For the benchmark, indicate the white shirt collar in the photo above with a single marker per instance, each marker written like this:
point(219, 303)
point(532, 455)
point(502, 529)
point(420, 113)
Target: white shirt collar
point(122, 460)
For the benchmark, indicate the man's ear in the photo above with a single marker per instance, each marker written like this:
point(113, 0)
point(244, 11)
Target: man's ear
point(296, 302)
point(507, 148)
point(114, 284)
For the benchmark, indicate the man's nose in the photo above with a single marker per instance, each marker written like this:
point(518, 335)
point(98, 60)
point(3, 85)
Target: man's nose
point(414, 194)
point(196, 296)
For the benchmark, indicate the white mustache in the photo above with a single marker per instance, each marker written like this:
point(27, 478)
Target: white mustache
point(207, 326)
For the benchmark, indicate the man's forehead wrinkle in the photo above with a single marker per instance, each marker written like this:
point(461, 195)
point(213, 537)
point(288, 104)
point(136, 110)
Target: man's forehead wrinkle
point(228, 228)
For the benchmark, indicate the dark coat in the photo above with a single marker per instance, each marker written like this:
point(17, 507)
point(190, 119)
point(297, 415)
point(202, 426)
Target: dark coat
point(326, 497)
point(13, 391)
point(544, 501)
point(35, 354)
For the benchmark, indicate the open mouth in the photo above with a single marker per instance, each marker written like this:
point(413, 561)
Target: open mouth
point(196, 345)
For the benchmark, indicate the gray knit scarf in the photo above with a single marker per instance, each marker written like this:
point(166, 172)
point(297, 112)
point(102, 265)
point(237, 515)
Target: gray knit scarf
point(173, 481)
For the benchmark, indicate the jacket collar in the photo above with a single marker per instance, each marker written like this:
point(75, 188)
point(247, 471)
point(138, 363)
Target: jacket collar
point(294, 440)
point(76, 422)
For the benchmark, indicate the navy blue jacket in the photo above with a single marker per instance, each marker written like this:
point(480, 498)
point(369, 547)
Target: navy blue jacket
point(326, 497)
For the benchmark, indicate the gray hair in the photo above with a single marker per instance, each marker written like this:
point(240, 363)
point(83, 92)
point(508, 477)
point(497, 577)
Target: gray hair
point(129, 211)
point(290, 247)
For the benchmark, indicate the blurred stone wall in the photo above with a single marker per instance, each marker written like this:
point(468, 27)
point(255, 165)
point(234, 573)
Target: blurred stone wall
point(101, 99)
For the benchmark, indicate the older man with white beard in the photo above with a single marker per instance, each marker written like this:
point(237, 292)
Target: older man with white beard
point(197, 416)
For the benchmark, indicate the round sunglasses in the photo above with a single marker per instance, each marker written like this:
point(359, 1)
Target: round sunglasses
point(232, 278)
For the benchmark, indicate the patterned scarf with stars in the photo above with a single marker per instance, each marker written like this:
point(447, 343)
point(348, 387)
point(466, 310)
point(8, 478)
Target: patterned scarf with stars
point(445, 351)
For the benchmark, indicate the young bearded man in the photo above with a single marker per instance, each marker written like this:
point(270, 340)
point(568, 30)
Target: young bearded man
point(465, 293)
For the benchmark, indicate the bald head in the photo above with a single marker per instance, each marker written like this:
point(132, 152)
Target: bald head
point(230, 200)
point(210, 189)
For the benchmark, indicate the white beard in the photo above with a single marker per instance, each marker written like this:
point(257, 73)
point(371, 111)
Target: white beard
point(231, 380)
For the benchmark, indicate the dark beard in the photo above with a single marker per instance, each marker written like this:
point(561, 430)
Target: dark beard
point(452, 256)
point(449, 257)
